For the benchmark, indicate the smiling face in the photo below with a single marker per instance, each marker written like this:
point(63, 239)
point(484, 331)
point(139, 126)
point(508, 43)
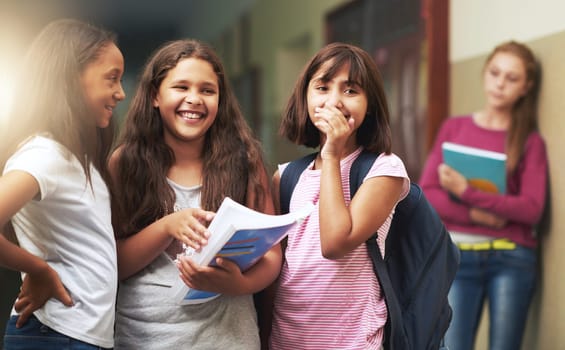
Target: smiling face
point(505, 80)
point(101, 83)
point(188, 100)
point(337, 91)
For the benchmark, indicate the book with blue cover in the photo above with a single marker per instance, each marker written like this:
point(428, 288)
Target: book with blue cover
point(485, 170)
point(242, 235)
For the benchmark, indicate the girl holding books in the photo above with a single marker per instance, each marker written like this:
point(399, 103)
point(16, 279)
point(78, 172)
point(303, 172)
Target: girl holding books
point(328, 296)
point(53, 192)
point(185, 146)
point(495, 231)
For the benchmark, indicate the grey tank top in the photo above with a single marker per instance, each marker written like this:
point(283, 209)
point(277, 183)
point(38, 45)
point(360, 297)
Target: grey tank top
point(148, 318)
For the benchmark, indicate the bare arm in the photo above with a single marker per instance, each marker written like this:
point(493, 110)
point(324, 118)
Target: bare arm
point(139, 250)
point(41, 282)
point(343, 228)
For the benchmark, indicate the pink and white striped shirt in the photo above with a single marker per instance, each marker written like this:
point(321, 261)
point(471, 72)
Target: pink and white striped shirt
point(330, 304)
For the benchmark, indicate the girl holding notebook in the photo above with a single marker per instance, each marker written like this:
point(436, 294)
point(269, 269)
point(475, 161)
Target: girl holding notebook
point(495, 231)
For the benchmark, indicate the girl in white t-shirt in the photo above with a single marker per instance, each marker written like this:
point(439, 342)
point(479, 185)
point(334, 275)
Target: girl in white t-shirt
point(53, 194)
point(328, 296)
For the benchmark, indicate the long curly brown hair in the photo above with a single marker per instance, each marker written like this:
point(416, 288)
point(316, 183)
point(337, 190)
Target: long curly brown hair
point(233, 162)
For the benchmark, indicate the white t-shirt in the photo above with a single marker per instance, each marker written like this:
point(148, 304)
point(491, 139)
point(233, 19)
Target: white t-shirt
point(69, 226)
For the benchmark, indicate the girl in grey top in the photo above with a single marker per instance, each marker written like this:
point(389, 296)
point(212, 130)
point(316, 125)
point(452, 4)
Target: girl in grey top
point(185, 147)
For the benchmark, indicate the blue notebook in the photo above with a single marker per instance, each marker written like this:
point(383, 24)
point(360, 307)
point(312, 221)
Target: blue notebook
point(485, 170)
point(242, 235)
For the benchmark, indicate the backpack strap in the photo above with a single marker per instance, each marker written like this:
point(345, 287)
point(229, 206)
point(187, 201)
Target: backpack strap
point(394, 327)
point(359, 170)
point(290, 177)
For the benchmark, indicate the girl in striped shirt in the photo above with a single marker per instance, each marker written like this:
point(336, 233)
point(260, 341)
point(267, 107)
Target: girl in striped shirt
point(328, 296)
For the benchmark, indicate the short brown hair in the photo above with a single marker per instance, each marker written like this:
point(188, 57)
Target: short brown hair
point(374, 133)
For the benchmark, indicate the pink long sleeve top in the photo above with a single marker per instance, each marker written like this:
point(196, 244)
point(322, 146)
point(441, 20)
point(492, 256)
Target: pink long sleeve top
point(522, 205)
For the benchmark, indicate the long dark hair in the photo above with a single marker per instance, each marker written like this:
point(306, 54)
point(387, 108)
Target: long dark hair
point(374, 133)
point(232, 158)
point(524, 111)
point(50, 97)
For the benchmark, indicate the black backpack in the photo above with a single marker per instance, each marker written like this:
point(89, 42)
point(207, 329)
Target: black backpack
point(419, 266)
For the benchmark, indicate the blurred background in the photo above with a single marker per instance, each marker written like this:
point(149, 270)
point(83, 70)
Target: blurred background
point(430, 53)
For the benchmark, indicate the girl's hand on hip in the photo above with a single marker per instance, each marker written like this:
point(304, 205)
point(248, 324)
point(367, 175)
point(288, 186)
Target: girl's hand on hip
point(36, 289)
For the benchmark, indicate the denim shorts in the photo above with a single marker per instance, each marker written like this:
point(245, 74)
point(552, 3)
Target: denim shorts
point(34, 335)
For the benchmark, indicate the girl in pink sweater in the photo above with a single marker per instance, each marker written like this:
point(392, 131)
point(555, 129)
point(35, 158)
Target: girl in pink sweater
point(495, 231)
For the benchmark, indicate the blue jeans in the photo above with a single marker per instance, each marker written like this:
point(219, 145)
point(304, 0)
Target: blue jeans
point(34, 335)
point(507, 279)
